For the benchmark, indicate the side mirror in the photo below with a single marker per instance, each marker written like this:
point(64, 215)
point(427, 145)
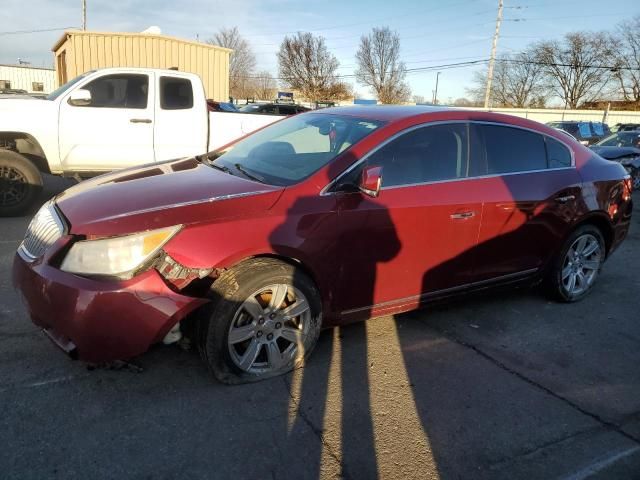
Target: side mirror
point(80, 98)
point(371, 181)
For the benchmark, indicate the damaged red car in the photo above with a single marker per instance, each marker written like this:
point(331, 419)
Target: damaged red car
point(321, 219)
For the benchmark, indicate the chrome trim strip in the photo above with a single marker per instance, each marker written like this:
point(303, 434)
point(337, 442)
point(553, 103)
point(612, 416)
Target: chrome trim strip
point(435, 293)
point(186, 204)
point(325, 191)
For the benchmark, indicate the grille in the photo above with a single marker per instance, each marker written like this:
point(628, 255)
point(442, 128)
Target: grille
point(45, 228)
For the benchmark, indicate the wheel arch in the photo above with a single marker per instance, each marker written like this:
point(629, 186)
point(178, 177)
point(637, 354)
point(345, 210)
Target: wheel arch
point(601, 221)
point(26, 145)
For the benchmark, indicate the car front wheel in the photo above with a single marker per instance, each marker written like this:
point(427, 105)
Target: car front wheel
point(578, 265)
point(263, 320)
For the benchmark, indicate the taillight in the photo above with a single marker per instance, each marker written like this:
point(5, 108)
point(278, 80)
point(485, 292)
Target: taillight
point(627, 188)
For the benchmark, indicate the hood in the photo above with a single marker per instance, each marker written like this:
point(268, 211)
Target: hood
point(614, 153)
point(20, 104)
point(160, 195)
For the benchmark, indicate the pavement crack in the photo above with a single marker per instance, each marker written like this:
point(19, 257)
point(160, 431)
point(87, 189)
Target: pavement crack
point(535, 384)
point(317, 431)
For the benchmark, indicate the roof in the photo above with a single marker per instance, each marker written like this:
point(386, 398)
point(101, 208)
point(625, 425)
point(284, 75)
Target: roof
point(69, 33)
point(26, 66)
point(385, 112)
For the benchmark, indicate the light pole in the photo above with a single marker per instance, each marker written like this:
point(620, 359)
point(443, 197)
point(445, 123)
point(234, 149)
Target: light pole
point(84, 14)
point(492, 60)
point(435, 92)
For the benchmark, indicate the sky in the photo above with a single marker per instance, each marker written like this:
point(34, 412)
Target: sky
point(432, 33)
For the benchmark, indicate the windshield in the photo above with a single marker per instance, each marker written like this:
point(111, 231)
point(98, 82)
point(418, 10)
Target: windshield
point(621, 139)
point(63, 88)
point(290, 150)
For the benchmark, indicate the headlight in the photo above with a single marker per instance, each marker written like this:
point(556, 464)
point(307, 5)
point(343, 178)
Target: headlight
point(116, 256)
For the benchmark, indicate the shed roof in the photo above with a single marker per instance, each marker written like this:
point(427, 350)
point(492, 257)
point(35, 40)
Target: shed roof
point(69, 33)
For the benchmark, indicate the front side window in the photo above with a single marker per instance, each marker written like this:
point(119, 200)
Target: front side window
point(427, 154)
point(119, 91)
point(509, 149)
point(175, 93)
point(291, 150)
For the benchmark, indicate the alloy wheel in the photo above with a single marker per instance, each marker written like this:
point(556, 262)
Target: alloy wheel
point(269, 328)
point(581, 264)
point(13, 186)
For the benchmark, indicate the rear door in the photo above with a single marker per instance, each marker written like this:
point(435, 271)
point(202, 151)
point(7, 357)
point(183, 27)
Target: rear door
point(181, 121)
point(529, 187)
point(115, 130)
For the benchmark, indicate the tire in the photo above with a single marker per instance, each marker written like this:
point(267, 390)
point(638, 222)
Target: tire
point(577, 266)
point(242, 337)
point(20, 184)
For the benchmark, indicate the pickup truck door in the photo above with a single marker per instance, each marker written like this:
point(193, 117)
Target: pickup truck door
point(115, 130)
point(182, 120)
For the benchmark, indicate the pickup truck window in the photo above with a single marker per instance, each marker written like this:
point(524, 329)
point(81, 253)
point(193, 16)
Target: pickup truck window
point(119, 91)
point(63, 88)
point(175, 93)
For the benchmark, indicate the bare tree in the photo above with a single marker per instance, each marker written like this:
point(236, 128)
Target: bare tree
point(418, 99)
point(518, 81)
point(627, 72)
point(264, 86)
point(241, 64)
point(306, 65)
point(380, 67)
point(578, 67)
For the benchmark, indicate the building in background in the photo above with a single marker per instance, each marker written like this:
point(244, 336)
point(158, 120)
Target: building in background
point(80, 51)
point(25, 77)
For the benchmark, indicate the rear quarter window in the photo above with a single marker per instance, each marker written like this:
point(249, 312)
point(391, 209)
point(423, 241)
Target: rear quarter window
point(558, 155)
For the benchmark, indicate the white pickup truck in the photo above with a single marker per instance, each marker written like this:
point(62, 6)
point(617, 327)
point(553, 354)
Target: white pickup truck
point(105, 120)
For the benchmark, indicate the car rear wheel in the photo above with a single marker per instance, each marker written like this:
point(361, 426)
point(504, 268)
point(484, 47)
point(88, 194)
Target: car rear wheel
point(20, 183)
point(263, 320)
point(578, 265)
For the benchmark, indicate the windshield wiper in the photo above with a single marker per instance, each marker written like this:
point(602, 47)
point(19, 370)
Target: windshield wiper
point(250, 176)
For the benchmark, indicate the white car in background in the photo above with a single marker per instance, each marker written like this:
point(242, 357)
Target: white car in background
point(105, 120)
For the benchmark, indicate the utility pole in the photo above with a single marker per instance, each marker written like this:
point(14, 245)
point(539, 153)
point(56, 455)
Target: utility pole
point(492, 60)
point(84, 14)
point(435, 92)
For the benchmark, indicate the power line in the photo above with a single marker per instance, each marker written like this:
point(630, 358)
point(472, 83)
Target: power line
point(20, 32)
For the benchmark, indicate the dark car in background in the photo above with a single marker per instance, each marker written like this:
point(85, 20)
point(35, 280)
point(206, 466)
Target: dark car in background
point(622, 147)
point(586, 133)
point(625, 127)
point(274, 108)
point(322, 219)
point(214, 106)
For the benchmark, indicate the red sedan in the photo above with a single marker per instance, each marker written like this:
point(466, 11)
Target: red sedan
point(325, 218)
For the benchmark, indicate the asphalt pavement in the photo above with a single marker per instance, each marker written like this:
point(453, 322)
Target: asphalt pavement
point(507, 385)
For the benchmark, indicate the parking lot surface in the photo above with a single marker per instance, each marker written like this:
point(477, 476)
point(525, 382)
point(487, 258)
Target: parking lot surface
point(504, 385)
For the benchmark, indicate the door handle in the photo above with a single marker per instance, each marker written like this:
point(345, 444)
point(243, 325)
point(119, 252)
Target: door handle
point(565, 199)
point(140, 120)
point(462, 215)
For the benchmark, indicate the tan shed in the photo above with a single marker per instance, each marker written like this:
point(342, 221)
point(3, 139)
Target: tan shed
point(80, 51)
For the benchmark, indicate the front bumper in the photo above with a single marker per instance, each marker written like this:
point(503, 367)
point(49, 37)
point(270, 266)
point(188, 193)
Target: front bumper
point(99, 321)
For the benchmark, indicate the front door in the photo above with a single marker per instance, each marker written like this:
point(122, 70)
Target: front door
point(417, 237)
point(114, 131)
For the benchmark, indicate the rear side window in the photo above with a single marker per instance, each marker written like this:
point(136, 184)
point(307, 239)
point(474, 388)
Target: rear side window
point(558, 156)
point(175, 93)
point(427, 154)
point(119, 91)
point(510, 149)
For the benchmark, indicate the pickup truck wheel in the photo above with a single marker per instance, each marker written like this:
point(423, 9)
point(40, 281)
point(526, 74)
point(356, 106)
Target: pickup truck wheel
point(20, 183)
point(264, 320)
